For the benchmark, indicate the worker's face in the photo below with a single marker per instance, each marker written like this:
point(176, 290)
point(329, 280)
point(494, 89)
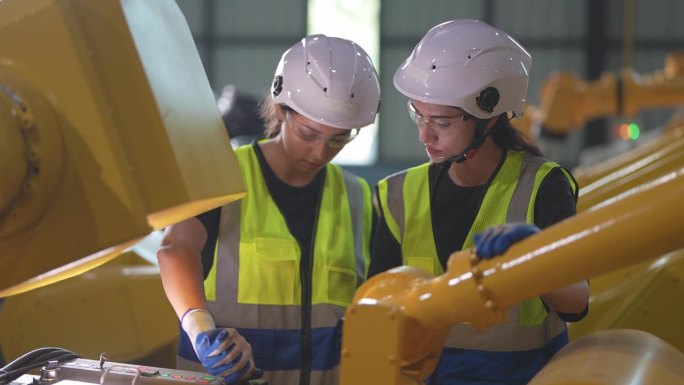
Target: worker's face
point(445, 131)
point(310, 144)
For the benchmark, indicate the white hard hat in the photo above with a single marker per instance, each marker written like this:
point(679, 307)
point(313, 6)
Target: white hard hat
point(328, 80)
point(467, 64)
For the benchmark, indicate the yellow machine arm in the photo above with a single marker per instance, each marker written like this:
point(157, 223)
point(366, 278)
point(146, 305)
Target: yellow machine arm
point(568, 102)
point(666, 156)
point(614, 357)
point(108, 130)
point(396, 326)
point(664, 143)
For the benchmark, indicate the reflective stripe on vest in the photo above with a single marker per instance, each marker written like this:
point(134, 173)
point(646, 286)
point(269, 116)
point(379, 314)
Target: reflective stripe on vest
point(510, 198)
point(254, 285)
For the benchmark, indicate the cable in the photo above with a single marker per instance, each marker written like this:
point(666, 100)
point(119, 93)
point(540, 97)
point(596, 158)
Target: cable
point(33, 359)
point(28, 357)
point(11, 375)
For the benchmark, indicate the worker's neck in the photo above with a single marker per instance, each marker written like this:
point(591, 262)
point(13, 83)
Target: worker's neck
point(283, 166)
point(479, 169)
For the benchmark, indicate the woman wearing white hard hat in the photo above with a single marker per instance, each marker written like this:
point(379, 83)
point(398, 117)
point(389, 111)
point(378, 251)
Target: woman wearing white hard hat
point(281, 264)
point(485, 186)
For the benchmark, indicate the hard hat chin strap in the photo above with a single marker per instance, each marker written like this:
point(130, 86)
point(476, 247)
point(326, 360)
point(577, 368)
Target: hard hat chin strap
point(468, 153)
point(475, 144)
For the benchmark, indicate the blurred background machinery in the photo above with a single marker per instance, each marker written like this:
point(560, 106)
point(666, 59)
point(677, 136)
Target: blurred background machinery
point(107, 156)
point(642, 296)
point(240, 113)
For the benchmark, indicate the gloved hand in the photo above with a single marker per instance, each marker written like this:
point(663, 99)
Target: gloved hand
point(222, 351)
point(496, 240)
point(225, 353)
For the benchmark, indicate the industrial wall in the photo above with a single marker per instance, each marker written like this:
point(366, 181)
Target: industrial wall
point(240, 43)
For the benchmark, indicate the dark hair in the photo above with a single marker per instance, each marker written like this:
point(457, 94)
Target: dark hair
point(509, 138)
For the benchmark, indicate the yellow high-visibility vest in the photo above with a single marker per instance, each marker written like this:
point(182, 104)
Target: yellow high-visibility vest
point(510, 198)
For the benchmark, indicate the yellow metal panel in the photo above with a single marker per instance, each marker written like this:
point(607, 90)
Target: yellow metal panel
point(143, 145)
point(11, 176)
point(614, 357)
point(120, 309)
point(661, 161)
point(390, 330)
point(589, 174)
point(646, 296)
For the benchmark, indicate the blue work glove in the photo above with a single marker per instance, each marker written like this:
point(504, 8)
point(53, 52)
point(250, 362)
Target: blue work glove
point(222, 351)
point(225, 353)
point(496, 240)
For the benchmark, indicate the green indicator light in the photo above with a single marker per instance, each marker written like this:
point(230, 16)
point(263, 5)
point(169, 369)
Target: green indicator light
point(634, 131)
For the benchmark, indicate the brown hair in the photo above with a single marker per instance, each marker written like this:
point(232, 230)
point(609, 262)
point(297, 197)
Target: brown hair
point(269, 115)
point(509, 138)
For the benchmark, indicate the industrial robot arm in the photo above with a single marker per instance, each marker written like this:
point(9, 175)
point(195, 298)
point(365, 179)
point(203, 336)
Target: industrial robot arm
point(496, 240)
point(395, 328)
point(567, 102)
point(101, 150)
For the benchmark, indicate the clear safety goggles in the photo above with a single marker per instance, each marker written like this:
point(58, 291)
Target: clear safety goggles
point(439, 124)
point(308, 135)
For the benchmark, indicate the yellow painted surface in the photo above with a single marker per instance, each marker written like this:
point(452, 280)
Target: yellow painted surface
point(661, 161)
point(118, 308)
point(125, 129)
point(478, 291)
point(610, 357)
point(646, 296)
point(587, 175)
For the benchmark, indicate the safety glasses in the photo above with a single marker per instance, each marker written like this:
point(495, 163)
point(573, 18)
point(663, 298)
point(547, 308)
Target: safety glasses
point(309, 135)
point(439, 124)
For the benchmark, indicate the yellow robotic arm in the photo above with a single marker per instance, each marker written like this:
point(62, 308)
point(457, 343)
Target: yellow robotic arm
point(567, 102)
point(396, 326)
point(108, 130)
